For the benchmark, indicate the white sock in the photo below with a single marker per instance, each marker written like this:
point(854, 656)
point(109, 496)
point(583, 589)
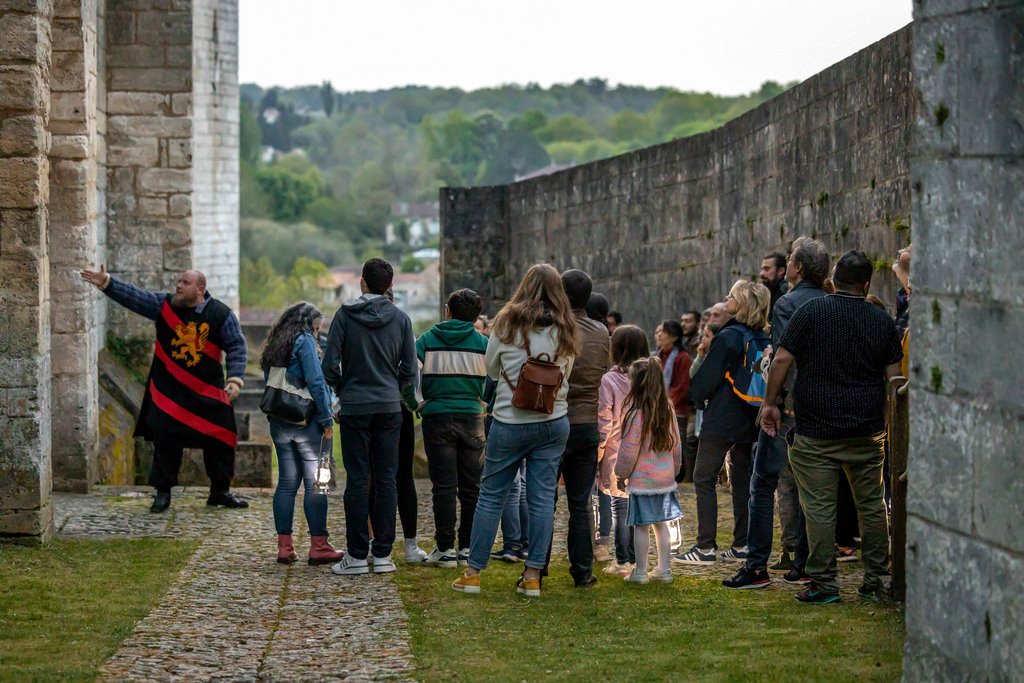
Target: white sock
point(642, 546)
point(663, 540)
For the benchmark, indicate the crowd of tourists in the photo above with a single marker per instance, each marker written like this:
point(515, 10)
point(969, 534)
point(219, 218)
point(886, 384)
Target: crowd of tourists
point(778, 392)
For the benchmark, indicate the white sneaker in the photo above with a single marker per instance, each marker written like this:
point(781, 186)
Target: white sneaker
point(636, 577)
point(413, 554)
point(617, 569)
point(442, 558)
point(464, 557)
point(382, 565)
point(350, 566)
point(661, 576)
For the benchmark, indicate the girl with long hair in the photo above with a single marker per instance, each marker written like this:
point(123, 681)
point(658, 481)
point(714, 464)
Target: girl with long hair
point(292, 344)
point(537, 321)
point(649, 457)
point(628, 344)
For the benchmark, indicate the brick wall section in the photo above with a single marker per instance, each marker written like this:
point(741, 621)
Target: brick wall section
point(670, 227)
point(25, 473)
point(149, 146)
point(965, 547)
point(215, 145)
point(74, 214)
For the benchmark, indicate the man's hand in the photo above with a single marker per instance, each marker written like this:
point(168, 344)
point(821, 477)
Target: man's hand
point(771, 418)
point(329, 432)
point(96, 278)
point(233, 391)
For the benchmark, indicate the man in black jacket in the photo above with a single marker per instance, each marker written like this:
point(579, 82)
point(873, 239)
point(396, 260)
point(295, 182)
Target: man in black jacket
point(370, 358)
point(806, 270)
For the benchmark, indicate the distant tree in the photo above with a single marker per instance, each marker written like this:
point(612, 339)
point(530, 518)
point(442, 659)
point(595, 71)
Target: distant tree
point(411, 264)
point(259, 284)
point(288, 193)
point(630, 125)
point(307, 281)
point(530, 121)
point(327, 99)
point(566, 128)
point(250, 137)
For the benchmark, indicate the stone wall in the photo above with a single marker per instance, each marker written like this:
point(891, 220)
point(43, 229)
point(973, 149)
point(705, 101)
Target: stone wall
point(965, 546)
point(669, 228)
point(25, 469)
point(215, 150)
point(149, 146)
point(76, 163)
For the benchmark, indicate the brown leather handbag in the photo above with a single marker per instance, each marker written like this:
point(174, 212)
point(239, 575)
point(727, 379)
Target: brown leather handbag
point(539, 382)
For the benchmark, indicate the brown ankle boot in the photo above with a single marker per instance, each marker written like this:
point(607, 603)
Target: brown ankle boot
point(321, 552)
point(285, 549)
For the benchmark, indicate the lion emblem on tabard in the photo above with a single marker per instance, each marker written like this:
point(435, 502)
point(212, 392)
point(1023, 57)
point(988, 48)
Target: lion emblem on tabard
point(191, 341)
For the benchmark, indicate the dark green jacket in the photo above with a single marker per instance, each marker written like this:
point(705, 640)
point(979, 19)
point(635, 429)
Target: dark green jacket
point(451, 356)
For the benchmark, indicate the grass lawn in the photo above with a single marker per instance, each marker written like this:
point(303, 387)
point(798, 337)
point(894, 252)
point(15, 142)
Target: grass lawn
point(692, 629)
point(65, 607)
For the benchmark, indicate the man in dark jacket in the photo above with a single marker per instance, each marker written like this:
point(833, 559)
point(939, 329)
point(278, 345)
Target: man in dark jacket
point(806, 270)
point(773, 275)
point(370, 358)
point(579, 461)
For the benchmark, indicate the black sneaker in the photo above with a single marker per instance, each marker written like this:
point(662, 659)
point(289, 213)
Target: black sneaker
point(812, 596)
point(161, 501)
point(226, 499)
point(588, 582)
point(796, 577)
point(876, 593)
point(748, 578)
point(784, 564)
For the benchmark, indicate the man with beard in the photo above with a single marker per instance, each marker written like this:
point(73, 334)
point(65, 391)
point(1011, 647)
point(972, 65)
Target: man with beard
point(187, 403)
point(773, 275)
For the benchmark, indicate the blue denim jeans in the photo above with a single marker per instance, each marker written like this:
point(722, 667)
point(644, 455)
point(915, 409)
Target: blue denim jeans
point(623, 532)
point(540, 445)
point(298, 452)
point(515, 518)
point(770, 458)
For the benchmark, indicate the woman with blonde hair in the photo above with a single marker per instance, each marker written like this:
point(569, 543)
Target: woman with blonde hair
point(534, 332)
point(728, 423)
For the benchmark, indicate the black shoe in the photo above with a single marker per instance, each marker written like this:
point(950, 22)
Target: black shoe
point(588, 582)
point(876, 593)
point(812, 596)
point(748, 578)
point(161, 501)
point(784, 564)
point(226, 499)
point(796, 577)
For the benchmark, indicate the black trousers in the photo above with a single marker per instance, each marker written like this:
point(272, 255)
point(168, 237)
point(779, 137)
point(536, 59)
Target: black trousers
point(455, 455)
point(369, 450)
point(408, 512)
point(578, 470)
point(710, 457)
point(219, 462)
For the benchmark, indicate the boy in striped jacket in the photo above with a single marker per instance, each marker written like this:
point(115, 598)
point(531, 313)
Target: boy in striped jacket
point(451, 358)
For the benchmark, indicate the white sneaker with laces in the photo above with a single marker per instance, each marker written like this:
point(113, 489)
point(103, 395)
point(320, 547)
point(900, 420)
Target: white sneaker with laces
point(463, 557)
point(350, 566)
point(413, 554)
point(636, 577)
point(382, 565)
point(661, 576)
point(441, 558)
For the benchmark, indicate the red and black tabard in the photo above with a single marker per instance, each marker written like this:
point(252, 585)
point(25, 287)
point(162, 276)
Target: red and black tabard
point(185, 402)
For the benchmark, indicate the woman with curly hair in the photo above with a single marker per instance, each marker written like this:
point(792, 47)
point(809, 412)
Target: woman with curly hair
point(292, 344)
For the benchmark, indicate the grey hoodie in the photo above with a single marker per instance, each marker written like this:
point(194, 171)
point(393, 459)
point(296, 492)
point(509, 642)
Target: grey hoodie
point(370, 357)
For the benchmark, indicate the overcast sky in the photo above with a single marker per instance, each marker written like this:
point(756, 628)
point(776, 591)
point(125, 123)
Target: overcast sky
point(723, 46)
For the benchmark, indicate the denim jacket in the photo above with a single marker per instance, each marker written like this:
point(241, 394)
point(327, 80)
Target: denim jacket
point(304, 371)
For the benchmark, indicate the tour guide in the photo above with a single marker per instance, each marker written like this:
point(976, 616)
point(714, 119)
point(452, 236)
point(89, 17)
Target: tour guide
point(187, 402)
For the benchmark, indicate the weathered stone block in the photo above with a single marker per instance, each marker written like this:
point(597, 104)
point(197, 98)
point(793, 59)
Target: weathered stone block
point(70, 146)
point(32, 526)
point(179, 57)
point(179, 153)
point(941, 462)
point(72, 173)
point(181, 205)
point(135, 55)
point(148, 80)
point(26, 37)
point(131, 257)
point(136, 103)
point(133, 151)
point(66, 34)
point(39, 6)
point(998, 495)
point(178, 259)
point(165, 28)
point(22, 181)
point(23, 88)
point(937, 77)
point(68, 106)
point(67, 72)
point(165, 180)
point(22, 233)
point(120, 28)
point(72, 206)
point(22, 136)
point(151, 207)
point(181, 104)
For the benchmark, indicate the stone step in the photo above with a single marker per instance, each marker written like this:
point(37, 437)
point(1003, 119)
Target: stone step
point(255, 383)
point(253, 466)
point(249, 400)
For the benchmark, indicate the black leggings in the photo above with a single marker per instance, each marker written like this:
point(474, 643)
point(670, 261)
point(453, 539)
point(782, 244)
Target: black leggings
point(406, 485)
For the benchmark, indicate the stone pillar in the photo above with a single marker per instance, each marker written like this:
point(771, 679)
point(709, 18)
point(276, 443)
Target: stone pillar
point(25, 471)
point(149, 147)
point(965, 537)
point(215, 145)
point(73, 236)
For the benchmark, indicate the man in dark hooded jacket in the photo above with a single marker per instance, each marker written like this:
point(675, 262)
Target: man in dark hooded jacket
point(370, 357)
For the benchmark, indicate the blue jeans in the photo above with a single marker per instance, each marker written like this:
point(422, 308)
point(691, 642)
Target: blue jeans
point(623, 532)
point(540, 445)
point(515, 518)
point(770, 458)
point(298, 452)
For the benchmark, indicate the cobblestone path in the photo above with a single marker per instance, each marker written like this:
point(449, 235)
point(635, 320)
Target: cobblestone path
point(235, 614)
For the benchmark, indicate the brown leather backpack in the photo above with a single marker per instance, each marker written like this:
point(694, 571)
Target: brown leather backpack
point(539, 382)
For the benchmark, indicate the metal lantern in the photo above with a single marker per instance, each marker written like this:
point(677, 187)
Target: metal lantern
point(323, 469)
